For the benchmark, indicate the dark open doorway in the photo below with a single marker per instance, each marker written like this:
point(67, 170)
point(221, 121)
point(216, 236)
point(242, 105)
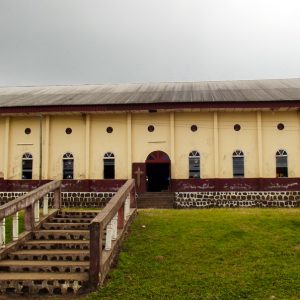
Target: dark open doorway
point(158, 172)
point(158, 176)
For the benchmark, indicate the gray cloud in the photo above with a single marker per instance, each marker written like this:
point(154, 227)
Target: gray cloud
point(104, 41)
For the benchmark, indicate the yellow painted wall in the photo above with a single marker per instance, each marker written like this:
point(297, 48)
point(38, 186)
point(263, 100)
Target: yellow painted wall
point(145, 142)
point(89, 146)
point(187, 141)
point(287, 139)
point(61, 143)
point(20, 143)
point(231, 140)
point(102, 142)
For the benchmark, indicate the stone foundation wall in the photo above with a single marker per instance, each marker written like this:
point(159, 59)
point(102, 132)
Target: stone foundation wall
point(182, 199)
point(69, 199)
point(237, 199)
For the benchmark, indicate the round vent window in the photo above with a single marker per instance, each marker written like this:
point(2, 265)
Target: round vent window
point(150, 128)
point(109, 129)
point(68, 130)
point(237, 127)
point(280, 126)
point(194, 128)
point(27, 130)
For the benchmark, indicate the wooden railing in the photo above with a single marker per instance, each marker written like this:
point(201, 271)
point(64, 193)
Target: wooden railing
point(30, 203)
point(112, 220)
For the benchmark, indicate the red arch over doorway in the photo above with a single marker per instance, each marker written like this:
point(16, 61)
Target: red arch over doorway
point(158, 157)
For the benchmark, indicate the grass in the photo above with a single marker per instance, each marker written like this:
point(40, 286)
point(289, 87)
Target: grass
point(8, 226)
point(209, 254)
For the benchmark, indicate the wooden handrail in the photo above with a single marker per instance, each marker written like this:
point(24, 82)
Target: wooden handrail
point(28, 199)
point(112, 207)
point(113, 217)
point(29, 202)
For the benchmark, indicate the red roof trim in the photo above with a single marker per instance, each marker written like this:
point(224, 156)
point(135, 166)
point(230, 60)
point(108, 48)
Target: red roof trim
point(151, 106)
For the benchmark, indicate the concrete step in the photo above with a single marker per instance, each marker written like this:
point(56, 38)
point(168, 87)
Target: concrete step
point(160, 197)
point(65, 226)
point(157, 193)
point(156, 200)
point(156, 206)
point(71, 220)
point(53, 255)
point(78, 214)
point(56, 244)
point(43, 276)
point(44, 266)
point(155, 197)
point(42, 283)
point(61, 234)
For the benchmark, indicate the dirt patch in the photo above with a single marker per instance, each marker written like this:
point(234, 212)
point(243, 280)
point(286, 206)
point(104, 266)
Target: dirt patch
point(297, 247)
point(159, 258)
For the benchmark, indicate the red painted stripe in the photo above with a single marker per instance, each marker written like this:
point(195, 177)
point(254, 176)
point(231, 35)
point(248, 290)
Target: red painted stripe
point(151, 106)
point(177, 185)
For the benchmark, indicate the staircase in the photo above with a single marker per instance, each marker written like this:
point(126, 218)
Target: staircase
point(55, 258)
point(156, 200)
point(61, 251)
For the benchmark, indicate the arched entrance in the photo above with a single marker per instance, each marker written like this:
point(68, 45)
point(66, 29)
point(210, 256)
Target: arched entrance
point(158, 171)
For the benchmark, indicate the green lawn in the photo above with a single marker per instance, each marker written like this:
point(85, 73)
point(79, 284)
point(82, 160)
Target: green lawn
point(209, 254)
point(8, 226)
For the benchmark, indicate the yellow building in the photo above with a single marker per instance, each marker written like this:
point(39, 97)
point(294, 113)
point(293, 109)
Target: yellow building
point(234, 135)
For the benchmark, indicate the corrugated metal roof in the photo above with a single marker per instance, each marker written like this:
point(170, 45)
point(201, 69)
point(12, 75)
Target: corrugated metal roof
point(178, 92)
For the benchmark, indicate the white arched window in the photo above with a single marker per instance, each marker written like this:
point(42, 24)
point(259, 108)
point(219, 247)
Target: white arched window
point(109, 166)
point(281, 163)
point(27, 162)
point(194, 164)
point(68, 166)
point(238, 167)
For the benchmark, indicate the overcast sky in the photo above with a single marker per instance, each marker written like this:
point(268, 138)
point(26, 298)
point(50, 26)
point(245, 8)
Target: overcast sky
point(117, 41)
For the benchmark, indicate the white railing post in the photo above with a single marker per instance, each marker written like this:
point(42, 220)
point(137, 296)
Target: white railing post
point(45, 205)
point(15, 233)
point(36, 211)
point(2, 233)
point(115, 227)
point(108, 236)
point(127, 208)
point(125, 211)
